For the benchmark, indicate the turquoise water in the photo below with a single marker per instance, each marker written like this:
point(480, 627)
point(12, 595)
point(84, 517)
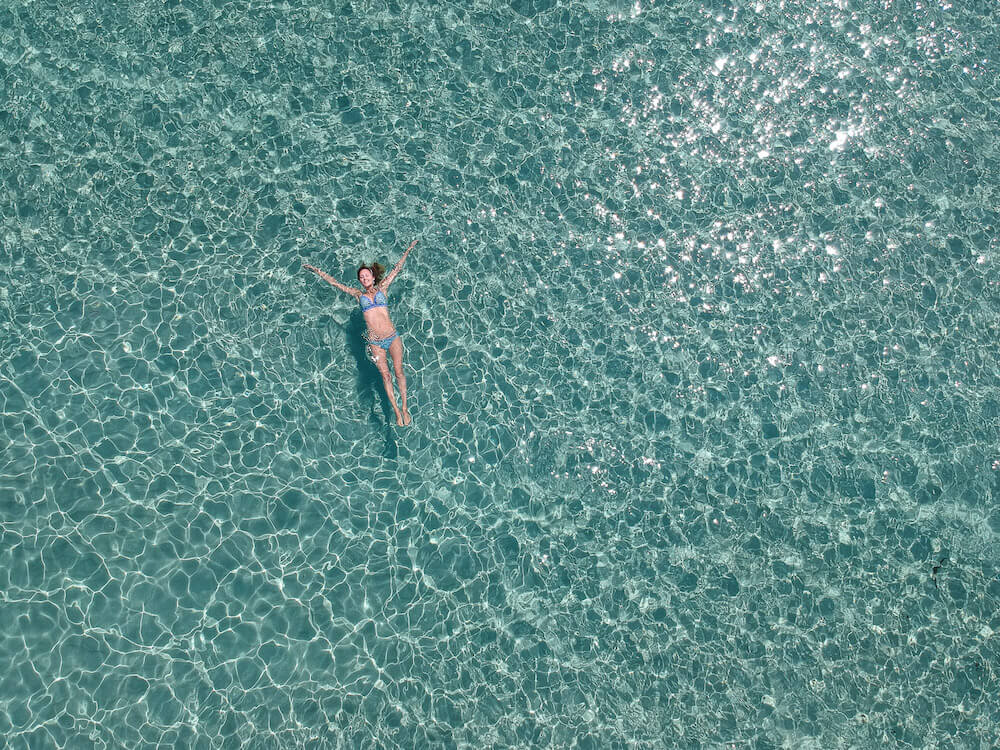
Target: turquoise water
point(701, 348)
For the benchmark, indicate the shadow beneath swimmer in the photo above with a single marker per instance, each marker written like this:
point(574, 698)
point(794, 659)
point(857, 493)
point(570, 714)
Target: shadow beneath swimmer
point(370, 389)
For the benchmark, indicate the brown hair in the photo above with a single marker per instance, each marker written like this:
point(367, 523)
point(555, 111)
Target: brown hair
point(377, 269)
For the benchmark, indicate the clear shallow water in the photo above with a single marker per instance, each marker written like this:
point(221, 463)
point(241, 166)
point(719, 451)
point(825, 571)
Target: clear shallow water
point(700, 340)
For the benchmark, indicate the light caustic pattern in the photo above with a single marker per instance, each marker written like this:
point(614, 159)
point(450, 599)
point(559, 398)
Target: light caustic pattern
point(700, 341)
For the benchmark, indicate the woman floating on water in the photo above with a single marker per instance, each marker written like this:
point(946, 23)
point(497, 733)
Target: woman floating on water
point(381, 336)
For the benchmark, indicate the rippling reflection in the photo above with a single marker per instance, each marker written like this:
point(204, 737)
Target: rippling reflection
point(704, 387)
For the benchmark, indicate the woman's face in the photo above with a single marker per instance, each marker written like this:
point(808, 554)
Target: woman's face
point(366, 277)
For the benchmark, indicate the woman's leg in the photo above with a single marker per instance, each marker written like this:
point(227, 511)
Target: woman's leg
point(378, 356)
point(396, 350)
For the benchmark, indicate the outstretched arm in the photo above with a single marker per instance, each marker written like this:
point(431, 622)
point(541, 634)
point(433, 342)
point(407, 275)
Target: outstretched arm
point(392, 274)
point(330, 280)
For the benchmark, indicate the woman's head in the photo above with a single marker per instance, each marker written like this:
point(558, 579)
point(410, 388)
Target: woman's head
point(371, 275)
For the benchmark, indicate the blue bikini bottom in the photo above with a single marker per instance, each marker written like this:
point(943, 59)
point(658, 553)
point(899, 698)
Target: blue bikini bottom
point(384, 343)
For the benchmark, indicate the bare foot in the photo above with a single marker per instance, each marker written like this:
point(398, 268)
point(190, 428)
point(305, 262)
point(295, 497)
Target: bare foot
point(399, 418)
point(406, 417)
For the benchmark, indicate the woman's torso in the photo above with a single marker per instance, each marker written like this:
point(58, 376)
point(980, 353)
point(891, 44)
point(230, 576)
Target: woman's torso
point(375, 309)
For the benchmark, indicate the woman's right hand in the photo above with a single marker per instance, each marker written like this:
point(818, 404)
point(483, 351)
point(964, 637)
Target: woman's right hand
point(310, 268)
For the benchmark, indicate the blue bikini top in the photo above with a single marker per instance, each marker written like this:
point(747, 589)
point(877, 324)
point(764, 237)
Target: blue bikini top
point(380, 301)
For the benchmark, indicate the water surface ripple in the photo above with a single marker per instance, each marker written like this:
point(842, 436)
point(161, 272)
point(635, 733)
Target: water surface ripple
point(701, 346)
